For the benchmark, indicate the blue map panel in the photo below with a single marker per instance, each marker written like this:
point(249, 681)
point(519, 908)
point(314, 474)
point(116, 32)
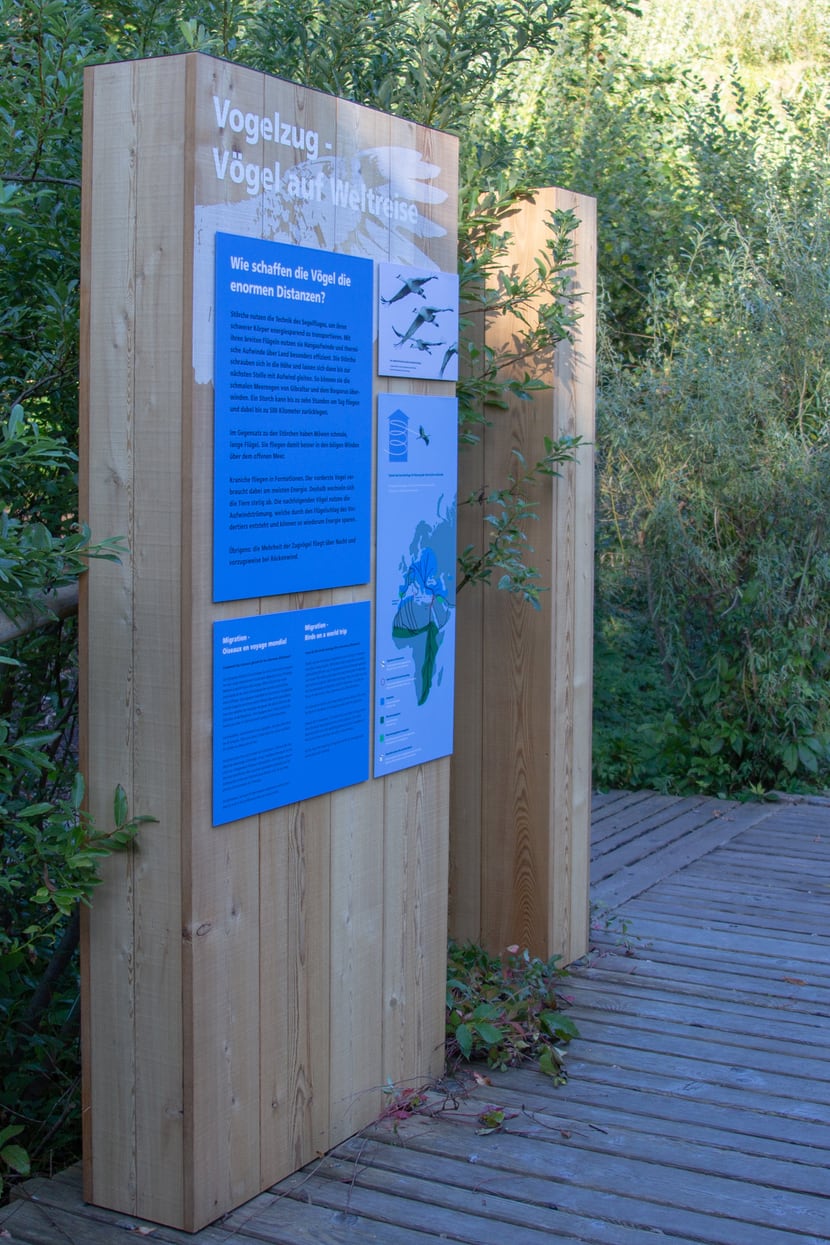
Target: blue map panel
point(416, 580)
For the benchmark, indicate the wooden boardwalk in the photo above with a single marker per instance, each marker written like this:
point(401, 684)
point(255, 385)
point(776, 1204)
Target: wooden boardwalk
point(698, 1105)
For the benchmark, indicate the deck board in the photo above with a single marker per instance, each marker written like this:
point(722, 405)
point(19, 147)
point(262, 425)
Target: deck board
point(698, 1102)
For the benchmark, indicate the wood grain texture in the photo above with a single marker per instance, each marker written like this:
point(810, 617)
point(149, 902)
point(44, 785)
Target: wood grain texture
point(572, 579)
point(157, 618)
point(106, 618)
point(237, 999)
point(521, 788)
point(468, 756)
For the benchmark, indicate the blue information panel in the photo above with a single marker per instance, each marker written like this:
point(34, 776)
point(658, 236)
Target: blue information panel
point(293, 419)
point(416, 580)
point(290, 707)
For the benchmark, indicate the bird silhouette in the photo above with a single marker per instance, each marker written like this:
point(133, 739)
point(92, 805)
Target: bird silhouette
point(421, 343)
point(448, 354)
point(411, 285)
point(424, 315)
point(423, 435)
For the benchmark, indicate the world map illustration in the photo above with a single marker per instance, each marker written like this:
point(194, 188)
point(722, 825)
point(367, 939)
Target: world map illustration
point(427, 599)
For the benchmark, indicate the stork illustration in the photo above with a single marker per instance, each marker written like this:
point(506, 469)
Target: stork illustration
point(424, 315)
point(421, 343)
point(448, 354)
point(411, 285)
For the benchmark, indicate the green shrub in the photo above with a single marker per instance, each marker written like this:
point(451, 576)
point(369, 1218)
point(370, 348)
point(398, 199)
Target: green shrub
point(506, 1010)
point(715, 496)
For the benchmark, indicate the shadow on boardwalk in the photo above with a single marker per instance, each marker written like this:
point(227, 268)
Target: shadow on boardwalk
point(698, 1105)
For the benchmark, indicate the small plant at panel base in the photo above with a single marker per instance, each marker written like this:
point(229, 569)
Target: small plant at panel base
point(605, 921)
point(506, 1010)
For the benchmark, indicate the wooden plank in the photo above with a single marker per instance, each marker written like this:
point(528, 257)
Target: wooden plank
point(611, 803)
point(697, 1108)
point(687, 976)
point(665, 1007)
point(466, 796)
point(731, 888)
point(752, 948)
point(442, 1211)
point(789, 1064)
point(681, 906)
point(157, 615)
point(281, 1224)
point(106, 623)
point(517, 675)
point(637, 1193)
point(356, 983)
point(635, 828)
point(535, 783)
point(595, 1216)
point(613, 1125)
point(29, 1223)
point(639, 876)
point(238, 939)
point(420, 1181)
point(743, 860)
point(649, 1146)
point(295, 970)
point(572, 585)
point(416, 928)
point(676, 1079)
point(633, 816)
point(57, 1208)
point(599, 1081)
point(468, 756)
point(659, 831)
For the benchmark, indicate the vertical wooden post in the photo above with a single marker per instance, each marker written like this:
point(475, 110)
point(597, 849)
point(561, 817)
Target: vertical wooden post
point(248, 988)
point(521, 771)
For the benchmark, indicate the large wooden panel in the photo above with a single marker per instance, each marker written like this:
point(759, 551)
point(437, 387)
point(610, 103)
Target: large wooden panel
point(521, 773)
point(249, 987)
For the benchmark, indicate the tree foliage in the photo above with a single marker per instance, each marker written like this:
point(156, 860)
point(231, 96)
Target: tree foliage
point(712, 601)
point(716, 470)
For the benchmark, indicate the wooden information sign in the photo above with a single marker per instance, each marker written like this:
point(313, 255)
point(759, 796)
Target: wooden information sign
point(249, 985)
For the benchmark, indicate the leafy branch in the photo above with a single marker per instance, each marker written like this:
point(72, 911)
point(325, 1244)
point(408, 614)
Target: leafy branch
point(543, 303)
point(509, 510)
